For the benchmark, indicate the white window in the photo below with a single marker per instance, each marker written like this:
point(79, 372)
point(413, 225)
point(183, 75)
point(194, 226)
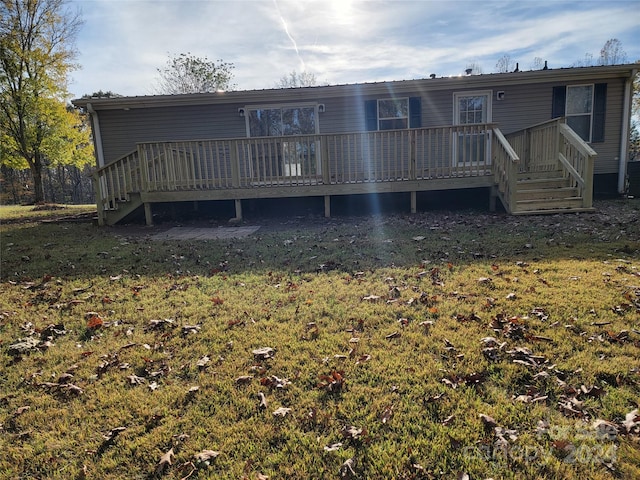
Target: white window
point(579, 109)
point(393, 113)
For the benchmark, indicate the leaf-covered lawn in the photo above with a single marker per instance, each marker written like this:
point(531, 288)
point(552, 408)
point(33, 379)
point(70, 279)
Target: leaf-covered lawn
point(21, 213)
point(425, 346)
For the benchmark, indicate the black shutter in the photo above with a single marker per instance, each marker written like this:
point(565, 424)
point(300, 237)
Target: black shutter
point(558, 102)
point(415, 112)
point(599, 112)
point(371, 115)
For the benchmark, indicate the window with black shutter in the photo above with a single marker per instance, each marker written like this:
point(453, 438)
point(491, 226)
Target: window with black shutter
point(393, 113)
point(584, 106)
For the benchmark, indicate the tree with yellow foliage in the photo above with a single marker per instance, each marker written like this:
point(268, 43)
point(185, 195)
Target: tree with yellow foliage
point(37, 127)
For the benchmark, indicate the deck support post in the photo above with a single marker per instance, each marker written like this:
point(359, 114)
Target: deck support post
point(99, 202)
point(493, 194)
point(327, 206)
point(238, 203)
point(414, 202)
point(148, 215)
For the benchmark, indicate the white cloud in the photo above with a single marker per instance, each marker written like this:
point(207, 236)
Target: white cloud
point(123, 42)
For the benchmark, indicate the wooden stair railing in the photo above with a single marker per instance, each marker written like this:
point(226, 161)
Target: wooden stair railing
point(505, 168)
point(556, 170)
point(114, 185)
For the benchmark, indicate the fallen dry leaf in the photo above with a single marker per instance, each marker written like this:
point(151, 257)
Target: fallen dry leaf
point(351, 432)
point(282, 412)
point(488, 422)
point(21, 410)
point(193, 390)
point(333, 447)
point(386, 415)
point(263, 401)
point(363, 358)
point(448, 420)
point(136, 380)
point(347, 469)
point(244, 379)
point(332, 382)
point(202, 363)
point(205, 457)
point(187, 329)
point(371, 298)
point(263, 353)
point(113, 433)
point(165, 461)
point(631, 420)
point(275, 382)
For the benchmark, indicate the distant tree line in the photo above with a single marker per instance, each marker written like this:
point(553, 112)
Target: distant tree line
point(61, 184)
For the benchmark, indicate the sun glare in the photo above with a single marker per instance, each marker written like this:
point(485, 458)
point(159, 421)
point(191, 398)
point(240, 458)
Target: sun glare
point(342, 11)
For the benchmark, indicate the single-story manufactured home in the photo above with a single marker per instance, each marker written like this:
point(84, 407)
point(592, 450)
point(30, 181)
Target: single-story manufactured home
point(539, 141)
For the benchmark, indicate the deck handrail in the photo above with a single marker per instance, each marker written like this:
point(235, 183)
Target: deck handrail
point(578, 160)
point(351, 132)
point(536, 125)
point(505, 168)
point(115, 182)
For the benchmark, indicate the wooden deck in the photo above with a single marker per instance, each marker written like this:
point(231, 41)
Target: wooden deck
point(410, 160)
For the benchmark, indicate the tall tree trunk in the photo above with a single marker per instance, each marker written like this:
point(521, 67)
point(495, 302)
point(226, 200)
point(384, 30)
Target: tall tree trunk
point(36, 172)
point(48, 185)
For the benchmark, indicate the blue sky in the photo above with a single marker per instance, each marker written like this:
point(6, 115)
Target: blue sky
point(123, 42)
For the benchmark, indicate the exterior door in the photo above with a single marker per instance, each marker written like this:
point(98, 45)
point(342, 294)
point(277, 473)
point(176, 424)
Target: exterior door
point(472, 146)
point(294, 152)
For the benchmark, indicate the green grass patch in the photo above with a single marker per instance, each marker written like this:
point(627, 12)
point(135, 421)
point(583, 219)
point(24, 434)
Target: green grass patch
point(421, 346)
point(33, 213)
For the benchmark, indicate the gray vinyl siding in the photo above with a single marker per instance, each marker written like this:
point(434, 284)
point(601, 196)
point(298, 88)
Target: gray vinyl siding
point(342, 115)
point(122, 129)
point(609, 151)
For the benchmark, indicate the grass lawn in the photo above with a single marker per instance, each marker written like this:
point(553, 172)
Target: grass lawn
point(26, 213)
point(435, 345)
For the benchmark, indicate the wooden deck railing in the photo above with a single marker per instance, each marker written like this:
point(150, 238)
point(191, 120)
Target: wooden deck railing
point(331, 159)
point(537, 146)
point(415, 155)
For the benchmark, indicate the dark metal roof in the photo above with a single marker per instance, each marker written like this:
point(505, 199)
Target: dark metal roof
point(371, 88)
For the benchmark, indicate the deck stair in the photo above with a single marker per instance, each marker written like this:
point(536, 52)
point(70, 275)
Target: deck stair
point(547, 192)
point(122, 207)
